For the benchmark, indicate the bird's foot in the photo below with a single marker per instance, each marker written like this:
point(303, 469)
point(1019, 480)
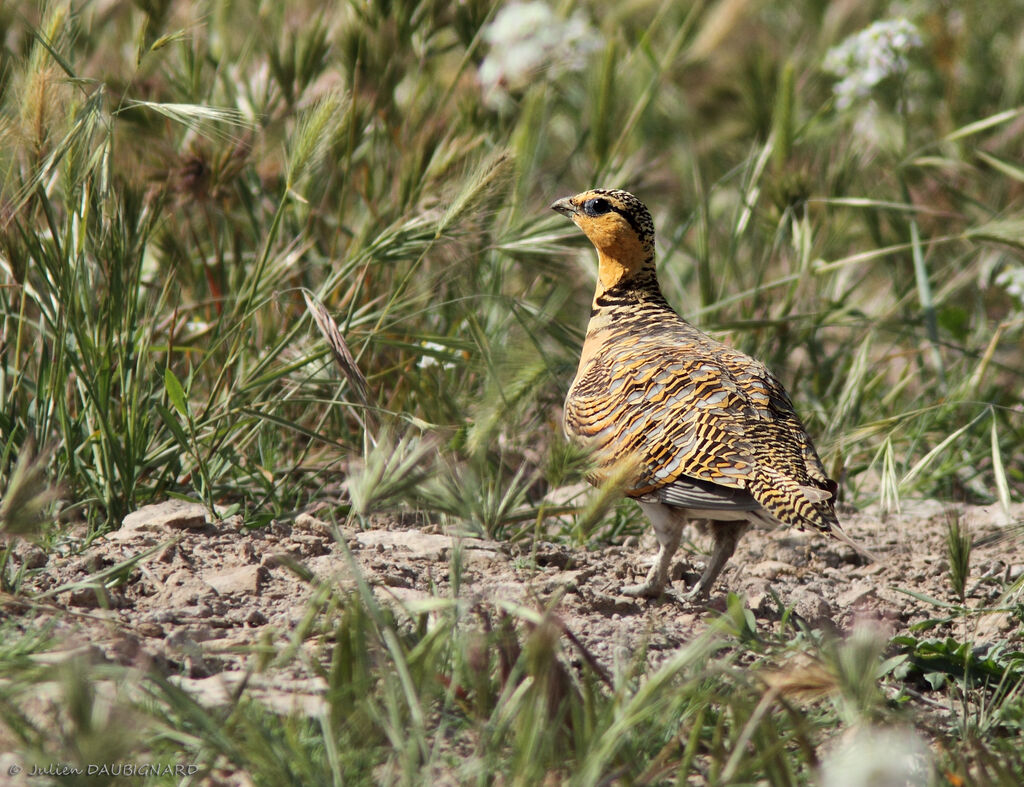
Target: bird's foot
point(697, 593)
point(665, 591)
point(648, 589)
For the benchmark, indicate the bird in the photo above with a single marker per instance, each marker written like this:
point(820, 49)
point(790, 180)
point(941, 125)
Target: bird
point(691, 428)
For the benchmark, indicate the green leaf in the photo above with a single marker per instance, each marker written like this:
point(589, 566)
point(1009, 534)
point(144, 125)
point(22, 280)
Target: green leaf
point(928, 599)
point(174, 425)
point(175, 393)
point(1008, 168)
point(986, 123)
point(955, 320)
point(894, 664)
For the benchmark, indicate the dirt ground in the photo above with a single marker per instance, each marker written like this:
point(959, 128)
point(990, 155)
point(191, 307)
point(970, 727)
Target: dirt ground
point(208, 591)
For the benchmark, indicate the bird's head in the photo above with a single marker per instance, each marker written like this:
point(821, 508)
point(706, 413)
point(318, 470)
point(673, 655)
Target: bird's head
point(621, 229)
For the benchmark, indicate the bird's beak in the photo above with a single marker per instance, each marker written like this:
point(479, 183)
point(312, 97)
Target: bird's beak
point(564, 206)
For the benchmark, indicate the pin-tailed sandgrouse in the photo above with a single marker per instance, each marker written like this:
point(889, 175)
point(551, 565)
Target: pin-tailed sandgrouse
point(693, 428)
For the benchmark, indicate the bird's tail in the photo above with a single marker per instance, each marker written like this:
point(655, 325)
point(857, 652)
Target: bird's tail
point(804, 506)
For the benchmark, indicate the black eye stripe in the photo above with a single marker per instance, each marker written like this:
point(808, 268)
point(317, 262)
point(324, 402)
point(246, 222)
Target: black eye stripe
point(628, 216)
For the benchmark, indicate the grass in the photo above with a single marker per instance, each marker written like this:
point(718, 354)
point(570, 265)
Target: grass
point(176, 177)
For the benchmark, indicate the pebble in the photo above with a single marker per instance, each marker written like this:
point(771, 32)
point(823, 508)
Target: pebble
point(34, 557)
point(150, 628)
point(236, 579)
point(255, 618)
point(161, 517)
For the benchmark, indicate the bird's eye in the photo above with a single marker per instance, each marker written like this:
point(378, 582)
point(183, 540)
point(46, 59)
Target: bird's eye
point(597, 206)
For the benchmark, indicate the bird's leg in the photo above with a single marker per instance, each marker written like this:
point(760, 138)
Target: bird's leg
point(726, 535)
point(668, 528)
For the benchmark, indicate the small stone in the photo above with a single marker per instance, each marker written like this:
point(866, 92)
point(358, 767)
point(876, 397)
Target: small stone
point(759, 597)
point(239, 579)
point(991, 626)
point(84, 597)
point(96, 563)
point(771, 569)
point(158, 518)
point(203, 611)
point(278, 558)
point(150, 628)
point(124, 649)
point(812, 606)
point(311, 524)
point(310, 545)
point(855, 595)
point(867, 570)
point(234, 522)
point(394, 579)
point(255, 618)
point(759, 603)
point(247, 552)
point(481, 559)
point(34, 557)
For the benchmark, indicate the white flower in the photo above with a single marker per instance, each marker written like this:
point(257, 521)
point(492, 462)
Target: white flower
point(877, 757)
point(1012, 280)
point(865, 59)
point(527, 37)
point(427, 360)
point(196, 327)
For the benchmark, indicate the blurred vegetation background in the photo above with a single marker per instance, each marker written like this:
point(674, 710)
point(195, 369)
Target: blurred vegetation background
point(175, 174)
point(838, 189)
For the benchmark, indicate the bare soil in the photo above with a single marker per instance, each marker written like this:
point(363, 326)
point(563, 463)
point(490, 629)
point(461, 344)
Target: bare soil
point(209, 591)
